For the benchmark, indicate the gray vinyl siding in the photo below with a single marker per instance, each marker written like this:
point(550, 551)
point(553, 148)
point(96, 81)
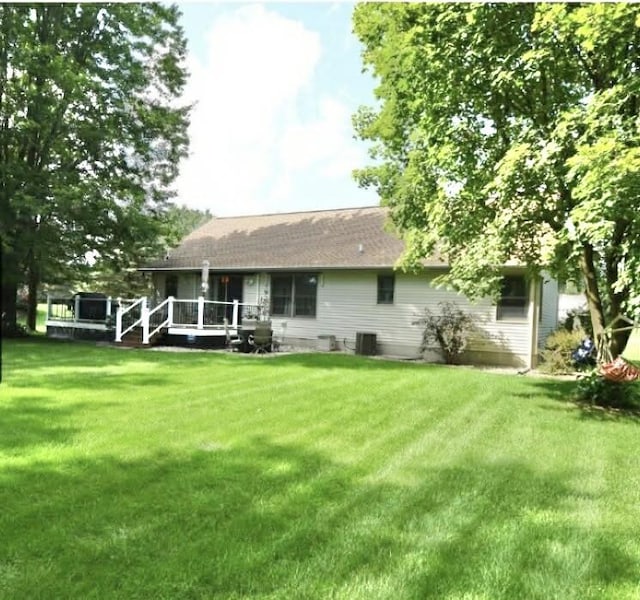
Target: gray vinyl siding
point(347, 304)
point(188, 285)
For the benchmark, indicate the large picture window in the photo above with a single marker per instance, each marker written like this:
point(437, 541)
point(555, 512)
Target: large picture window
point(514, 298)
point(294, 295)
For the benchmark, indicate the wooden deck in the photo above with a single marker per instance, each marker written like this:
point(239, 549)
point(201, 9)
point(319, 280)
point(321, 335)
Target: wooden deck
point(108, 318)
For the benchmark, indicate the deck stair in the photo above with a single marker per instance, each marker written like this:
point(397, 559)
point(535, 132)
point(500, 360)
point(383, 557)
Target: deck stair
point(133, 339)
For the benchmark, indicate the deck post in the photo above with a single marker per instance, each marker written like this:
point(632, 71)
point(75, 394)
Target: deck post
point(48, 306)
point(200, 312)
point(119, 321)
point(108, 311)
point(170, 310)
point(76, 308)
point(234, 323)
point(144, 316)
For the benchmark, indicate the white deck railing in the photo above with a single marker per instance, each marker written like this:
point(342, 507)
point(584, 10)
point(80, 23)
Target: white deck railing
point(79, 309)
point(193, 315)
point(157, 319)
point(131, 316)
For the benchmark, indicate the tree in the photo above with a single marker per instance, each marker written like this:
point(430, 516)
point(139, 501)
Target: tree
point(510, 132)
point(184, 220)
point(90, 136)
point(125, 280)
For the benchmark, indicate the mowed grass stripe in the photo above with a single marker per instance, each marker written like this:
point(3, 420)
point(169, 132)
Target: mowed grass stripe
point(199, 475)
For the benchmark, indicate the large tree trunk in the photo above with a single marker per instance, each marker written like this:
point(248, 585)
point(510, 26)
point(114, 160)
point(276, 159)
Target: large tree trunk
point(620, 327)
point(594, 301)
point(9, 313)
point(11, 278)
point(616, 340)
point(32, 299)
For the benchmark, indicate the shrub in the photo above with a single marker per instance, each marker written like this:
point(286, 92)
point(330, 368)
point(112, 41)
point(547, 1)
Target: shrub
point(556, 356)
point(595, 389)
point(450, 329)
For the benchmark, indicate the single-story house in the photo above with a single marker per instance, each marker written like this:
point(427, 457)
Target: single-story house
point(329, 275)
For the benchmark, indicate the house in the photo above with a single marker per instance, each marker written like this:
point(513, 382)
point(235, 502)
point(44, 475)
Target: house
point(329, 276)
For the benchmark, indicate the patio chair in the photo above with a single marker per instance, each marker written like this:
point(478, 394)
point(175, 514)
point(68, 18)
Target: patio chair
point(231, 343)
point(262, 337)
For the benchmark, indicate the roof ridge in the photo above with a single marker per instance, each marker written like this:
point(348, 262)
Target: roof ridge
point(297, 212)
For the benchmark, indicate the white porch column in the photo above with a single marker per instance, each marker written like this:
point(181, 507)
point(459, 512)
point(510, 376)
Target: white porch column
point(200, 312)
point(48, 306)
point(170, 310)
point(108, 307)
point(144, 315)
point(234, 317)
point(119, 321)
point(76, 308)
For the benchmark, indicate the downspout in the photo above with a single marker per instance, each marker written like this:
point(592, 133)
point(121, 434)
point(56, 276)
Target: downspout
point(534, 321)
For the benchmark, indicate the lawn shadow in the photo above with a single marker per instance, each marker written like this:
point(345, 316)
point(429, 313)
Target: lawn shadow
point(64, 365)
point(564, 392)
point(343, 361)
point(31, 421)
point(270, 520)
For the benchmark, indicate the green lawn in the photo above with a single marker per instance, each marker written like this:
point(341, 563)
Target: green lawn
point(138, 474)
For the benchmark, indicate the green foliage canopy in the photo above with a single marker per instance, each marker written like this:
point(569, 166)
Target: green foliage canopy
point(91, 134)
point(510, 132)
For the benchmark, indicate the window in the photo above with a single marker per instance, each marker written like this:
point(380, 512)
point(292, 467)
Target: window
point(294, 295)
point(386, 285)
point(514, 298)
point(171, 286)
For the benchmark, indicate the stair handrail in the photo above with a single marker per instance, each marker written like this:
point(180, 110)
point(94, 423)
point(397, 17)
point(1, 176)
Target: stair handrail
point(123, 311)
point(147, 335)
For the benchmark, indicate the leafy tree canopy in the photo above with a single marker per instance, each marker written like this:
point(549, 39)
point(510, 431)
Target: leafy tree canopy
point(510, 132)
point(91, 135)
point(128, 282)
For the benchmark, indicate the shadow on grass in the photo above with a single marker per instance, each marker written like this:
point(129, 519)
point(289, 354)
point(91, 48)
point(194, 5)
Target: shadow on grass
point(343, 361)
point(66, 365)
point(267, 520)
point(565, 393)
point(32, 421)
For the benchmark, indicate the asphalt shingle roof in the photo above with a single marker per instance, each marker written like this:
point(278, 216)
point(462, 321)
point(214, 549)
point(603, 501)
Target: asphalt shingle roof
point(331, 239)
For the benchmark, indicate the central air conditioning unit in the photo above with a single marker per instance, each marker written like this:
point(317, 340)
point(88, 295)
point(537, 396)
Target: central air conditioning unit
point(366, 343)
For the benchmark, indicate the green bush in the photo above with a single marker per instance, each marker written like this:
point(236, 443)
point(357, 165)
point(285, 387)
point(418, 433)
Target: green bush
point(595, 389)
point(556, 356)
point(450, 329)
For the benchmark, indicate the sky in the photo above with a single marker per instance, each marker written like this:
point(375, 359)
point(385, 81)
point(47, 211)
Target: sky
point(275, 86)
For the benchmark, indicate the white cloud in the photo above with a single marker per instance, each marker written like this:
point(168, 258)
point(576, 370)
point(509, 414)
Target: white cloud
point(250, 143)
